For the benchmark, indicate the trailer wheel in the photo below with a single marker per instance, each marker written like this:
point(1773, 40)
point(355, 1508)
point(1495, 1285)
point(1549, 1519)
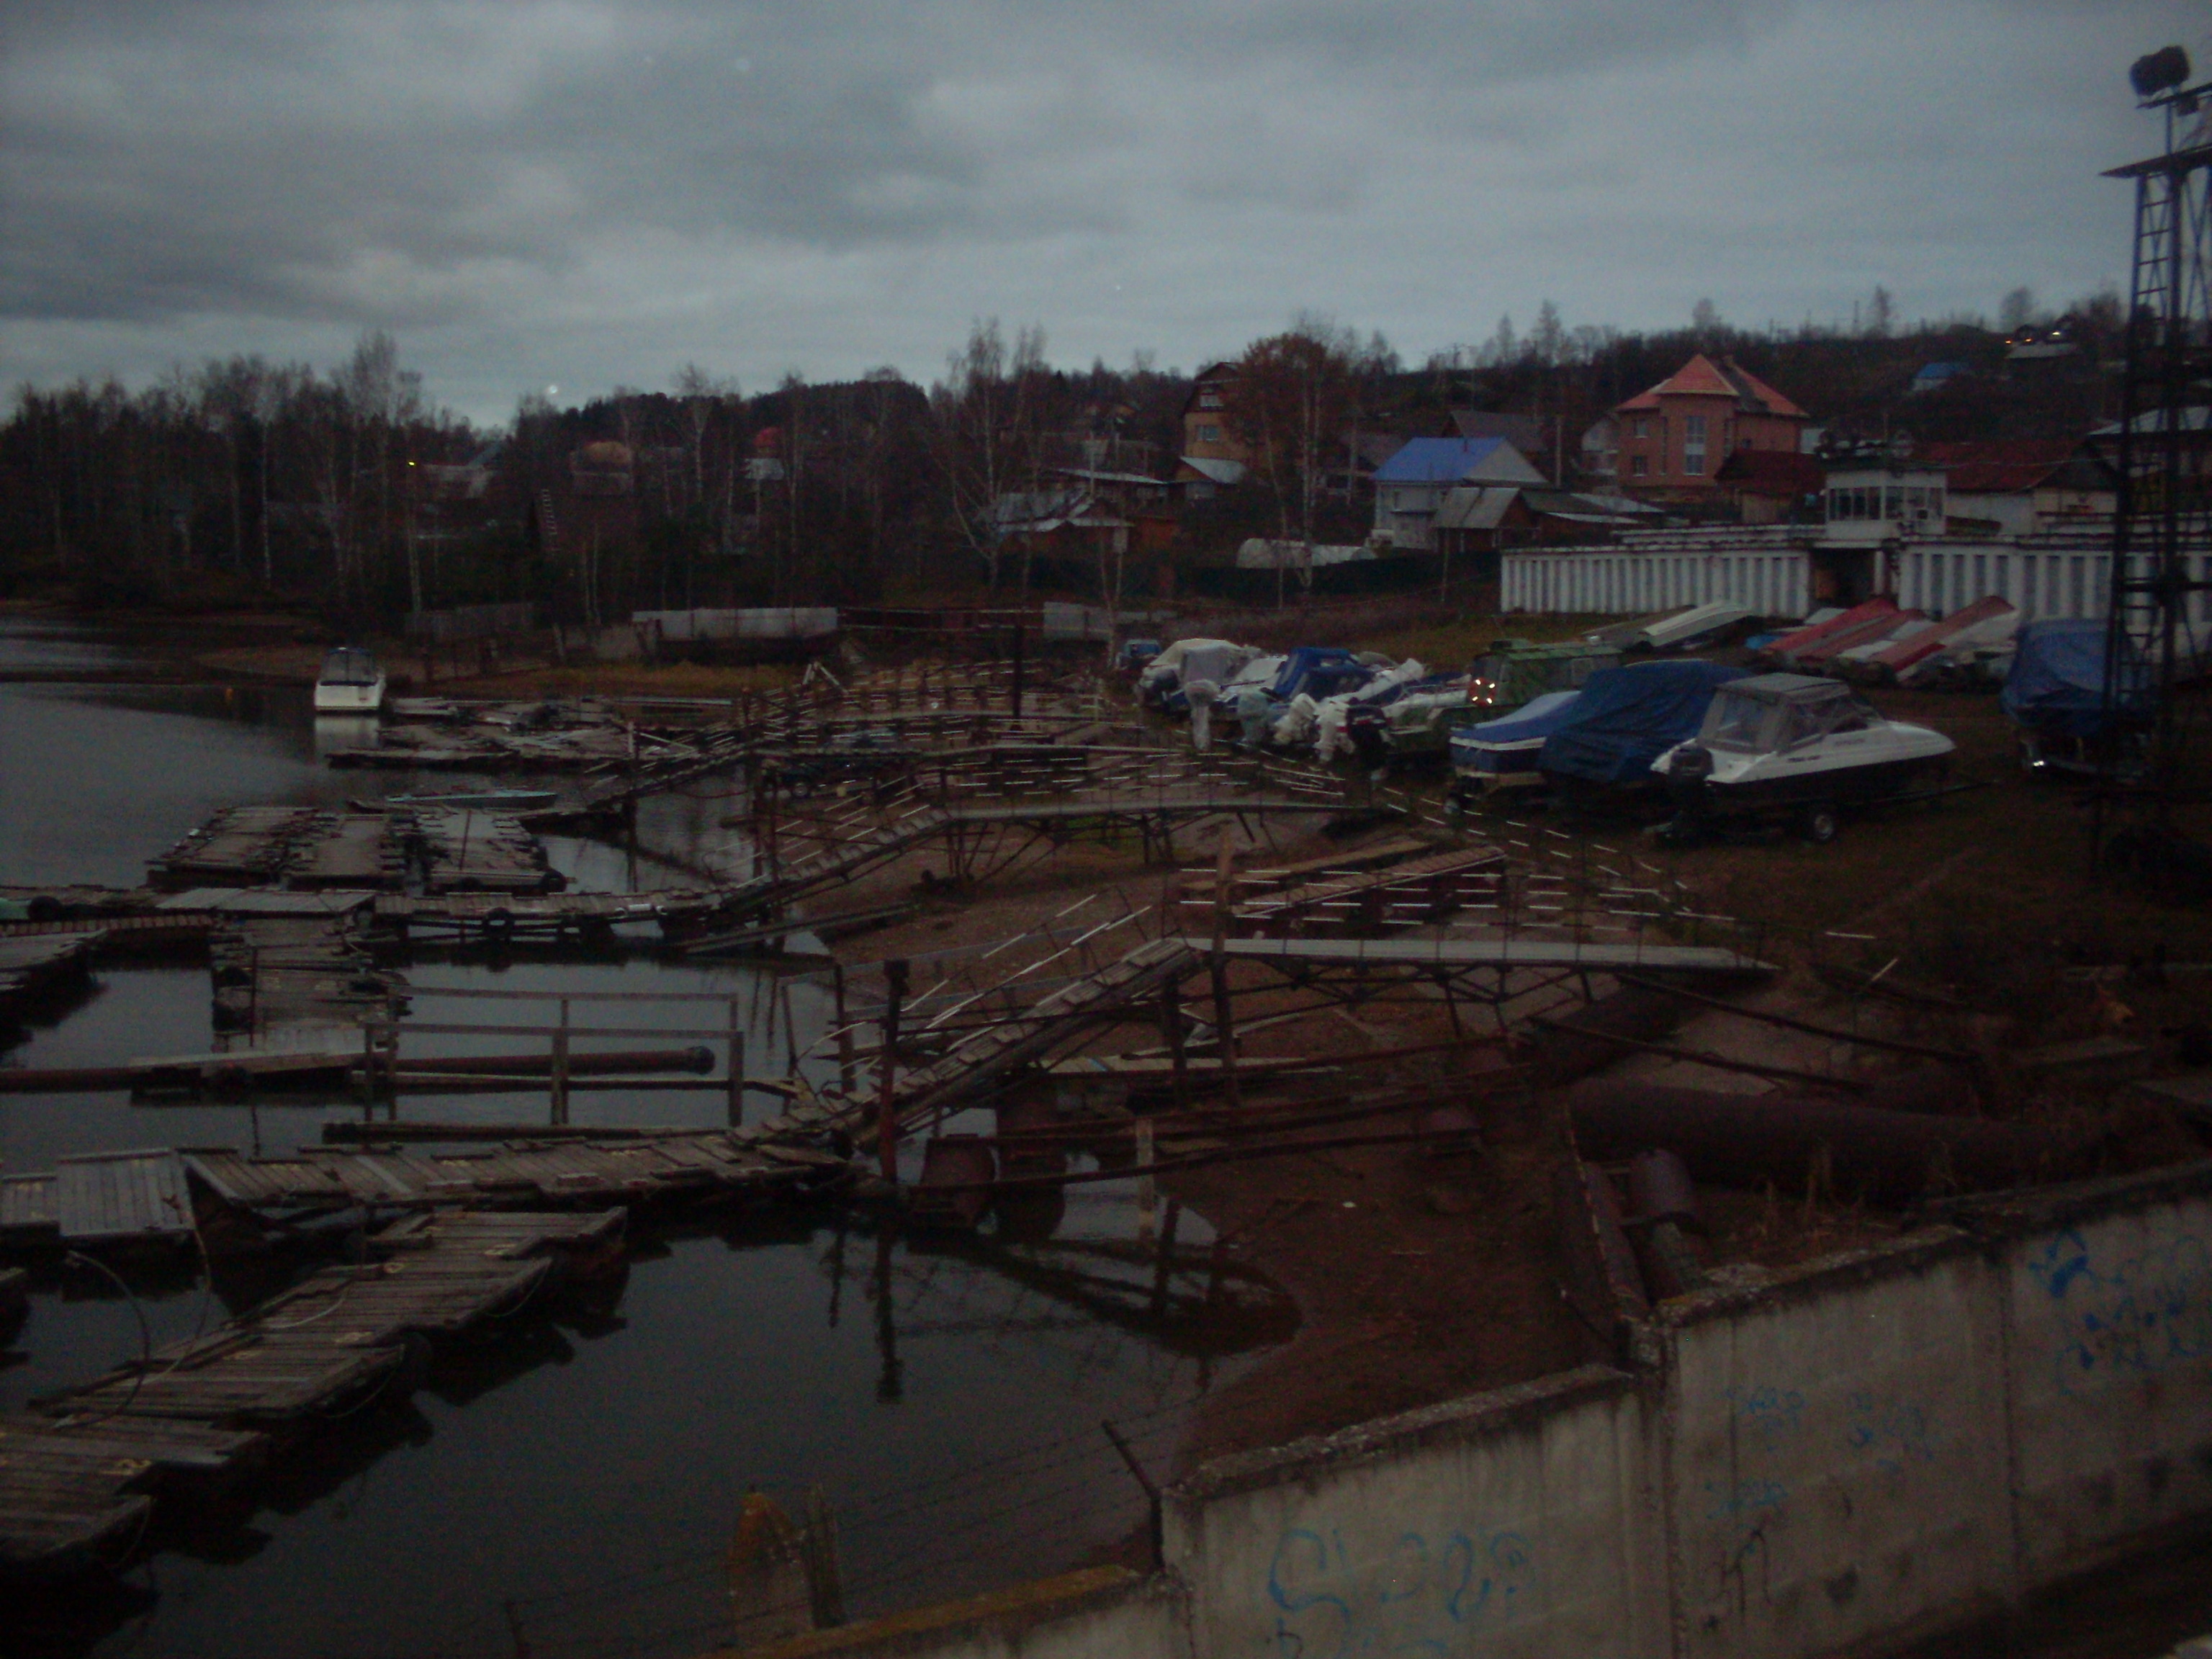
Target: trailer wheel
point(1819, 825)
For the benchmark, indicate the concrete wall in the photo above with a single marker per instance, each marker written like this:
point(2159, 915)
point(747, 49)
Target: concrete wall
point(2109, 1306)
point(1835, 1452)
point(1849, 1454)
point(1520, 1522)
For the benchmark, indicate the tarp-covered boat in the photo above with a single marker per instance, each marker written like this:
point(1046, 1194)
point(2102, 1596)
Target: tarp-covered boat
point(1628, 717)
point(1502, 751)
point(2055, 694)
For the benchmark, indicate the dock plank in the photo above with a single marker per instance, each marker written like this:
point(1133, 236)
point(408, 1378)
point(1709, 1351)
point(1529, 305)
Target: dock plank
point(106, 1197)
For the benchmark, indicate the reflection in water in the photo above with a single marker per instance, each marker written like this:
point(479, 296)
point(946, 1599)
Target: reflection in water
point(337, 732)
point(574, 1473)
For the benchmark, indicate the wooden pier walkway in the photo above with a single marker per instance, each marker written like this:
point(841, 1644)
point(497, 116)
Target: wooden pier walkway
point(80, 1471)
point(987, 1057)
point(1152, 819)
point(519, 1173)
point(290, 982)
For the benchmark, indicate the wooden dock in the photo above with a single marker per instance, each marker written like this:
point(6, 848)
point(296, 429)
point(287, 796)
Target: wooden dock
point(351, 851)
point(238, 847)
point(466, 851)
point(80, 1471)
point(98, 1200)
point(519, 1172)
point(36, 966)
point(292, 982)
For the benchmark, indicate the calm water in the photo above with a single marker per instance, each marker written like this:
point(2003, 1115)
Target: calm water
point(577, 1475)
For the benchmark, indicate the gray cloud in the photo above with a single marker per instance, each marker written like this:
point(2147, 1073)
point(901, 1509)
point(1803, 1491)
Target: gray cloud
point(595, 191)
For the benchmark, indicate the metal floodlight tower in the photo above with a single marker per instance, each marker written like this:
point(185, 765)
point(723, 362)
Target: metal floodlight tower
point(2157, 620)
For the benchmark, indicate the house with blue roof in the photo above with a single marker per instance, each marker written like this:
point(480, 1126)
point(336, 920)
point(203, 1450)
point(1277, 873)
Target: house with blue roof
point(1411, 486)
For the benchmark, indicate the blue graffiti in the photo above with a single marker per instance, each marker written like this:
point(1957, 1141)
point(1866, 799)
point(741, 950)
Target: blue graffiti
point(1746, 1503)
point(1771, 1413)
point(2125, 1319)
point(1418, 1596)
point(1893, 1433)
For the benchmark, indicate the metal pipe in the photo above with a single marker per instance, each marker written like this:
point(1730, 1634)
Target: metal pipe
point(1883, 1155)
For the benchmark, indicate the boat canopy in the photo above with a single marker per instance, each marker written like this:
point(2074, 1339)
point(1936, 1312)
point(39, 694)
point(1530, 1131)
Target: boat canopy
point(1626, 718)
point(1770, 712)
point(2057, 684)
point(349, 665)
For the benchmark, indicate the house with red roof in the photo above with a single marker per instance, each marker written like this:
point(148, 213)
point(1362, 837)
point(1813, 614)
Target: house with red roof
point(1670, 441)
point(2017, 486)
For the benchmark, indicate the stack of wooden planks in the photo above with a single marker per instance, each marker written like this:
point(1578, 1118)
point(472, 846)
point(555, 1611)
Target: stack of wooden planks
point(80, 1471)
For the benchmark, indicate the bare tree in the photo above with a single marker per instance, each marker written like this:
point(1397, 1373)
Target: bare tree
point(986, 431)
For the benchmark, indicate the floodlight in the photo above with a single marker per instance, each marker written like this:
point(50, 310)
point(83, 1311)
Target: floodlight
point(2159, 71)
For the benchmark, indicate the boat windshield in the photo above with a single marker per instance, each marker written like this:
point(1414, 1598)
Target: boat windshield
point(1736, 721)
point(349, 665)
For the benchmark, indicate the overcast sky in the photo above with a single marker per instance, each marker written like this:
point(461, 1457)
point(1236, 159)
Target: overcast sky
point(595, 192)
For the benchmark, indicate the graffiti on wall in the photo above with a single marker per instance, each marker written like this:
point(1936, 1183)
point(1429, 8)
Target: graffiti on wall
point(2121, 1318)
point(1427, 1593)
point(1776, 1435)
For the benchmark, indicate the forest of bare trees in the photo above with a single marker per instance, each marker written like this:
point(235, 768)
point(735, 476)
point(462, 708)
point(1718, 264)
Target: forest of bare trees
point(243, 480)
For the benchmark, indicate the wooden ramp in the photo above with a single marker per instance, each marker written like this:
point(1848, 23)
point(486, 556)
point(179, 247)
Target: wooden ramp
point(81, 1470)
point(978, 1062)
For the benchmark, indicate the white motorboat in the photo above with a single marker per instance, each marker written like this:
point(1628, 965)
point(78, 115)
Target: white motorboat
point(351, 683)
point(1790, 745)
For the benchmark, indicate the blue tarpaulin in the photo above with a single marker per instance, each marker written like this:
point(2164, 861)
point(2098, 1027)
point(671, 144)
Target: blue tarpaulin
point(1626, 718)
point(2057, 684)
point(1320, 671)
point(1488, 747)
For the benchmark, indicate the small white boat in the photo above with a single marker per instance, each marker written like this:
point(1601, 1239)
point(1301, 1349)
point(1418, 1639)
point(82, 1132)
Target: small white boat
point(351, 683)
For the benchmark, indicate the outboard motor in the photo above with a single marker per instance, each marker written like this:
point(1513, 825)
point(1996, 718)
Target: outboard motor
point(1692, 763)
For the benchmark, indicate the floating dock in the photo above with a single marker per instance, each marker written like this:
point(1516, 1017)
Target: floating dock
point(465, 851)
point(80, 1471)
point(518, 1173)
point(98, 1200)
point(35, 966)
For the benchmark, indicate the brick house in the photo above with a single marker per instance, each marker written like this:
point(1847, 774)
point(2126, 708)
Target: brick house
point(1205, 434)
point(1672, 440)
